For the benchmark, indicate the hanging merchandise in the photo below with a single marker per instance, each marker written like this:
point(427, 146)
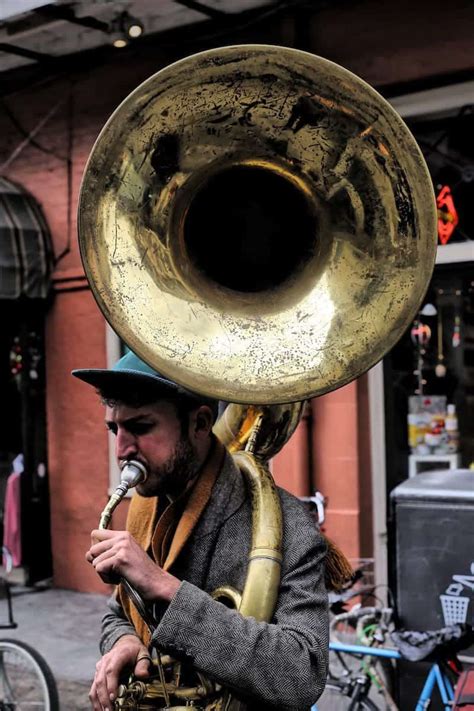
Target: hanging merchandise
point(420, 336)
point(16, 361)
point(440, 368)
point(456, 340)
point(34, 355)
point(447, 214)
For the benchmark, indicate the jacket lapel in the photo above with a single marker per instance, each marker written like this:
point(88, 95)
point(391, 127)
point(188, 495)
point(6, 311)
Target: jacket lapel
point(228, 495)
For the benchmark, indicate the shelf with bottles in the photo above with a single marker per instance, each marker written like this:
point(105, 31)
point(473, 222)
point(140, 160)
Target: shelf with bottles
point(432, 426)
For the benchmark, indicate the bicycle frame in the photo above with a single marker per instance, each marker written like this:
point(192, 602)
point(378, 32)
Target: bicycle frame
point(435, 677)
point(6, 595)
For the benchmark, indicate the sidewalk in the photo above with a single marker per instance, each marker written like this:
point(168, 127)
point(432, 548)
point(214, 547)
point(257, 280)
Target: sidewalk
point(64, 627)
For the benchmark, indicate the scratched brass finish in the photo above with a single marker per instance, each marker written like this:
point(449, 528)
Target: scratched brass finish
point(347, 257)
point(259, 596)
point(278, 422)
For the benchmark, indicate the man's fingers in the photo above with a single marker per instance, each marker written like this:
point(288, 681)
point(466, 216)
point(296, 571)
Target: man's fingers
point(96, 700)
point(142, 666)
point(94, 697)
point(101, 693)
point(106, 566)
point(102, 534)
point(112, 681)
point(104, 688)
point(123, 656)
point(100, 547)
point(93, 552)
point(103, 557)
point(119, 544)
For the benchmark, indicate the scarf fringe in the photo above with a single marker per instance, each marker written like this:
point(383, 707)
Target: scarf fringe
point(338, 571)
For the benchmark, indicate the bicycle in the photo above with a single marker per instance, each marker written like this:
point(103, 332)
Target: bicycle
point(26, 680)
point(348, 689)
point(368, 626)
point(350, 692)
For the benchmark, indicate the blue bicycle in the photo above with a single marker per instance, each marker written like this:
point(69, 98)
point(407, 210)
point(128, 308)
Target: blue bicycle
point(355, 673)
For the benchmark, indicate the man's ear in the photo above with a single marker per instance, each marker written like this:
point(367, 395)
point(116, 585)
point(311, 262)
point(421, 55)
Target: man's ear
point(202, 421)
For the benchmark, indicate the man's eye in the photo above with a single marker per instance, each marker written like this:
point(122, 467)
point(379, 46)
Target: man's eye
point(139, 428)
point(113, 429)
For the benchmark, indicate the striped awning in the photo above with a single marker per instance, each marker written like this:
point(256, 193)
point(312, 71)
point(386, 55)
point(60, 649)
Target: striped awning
point(26, 253)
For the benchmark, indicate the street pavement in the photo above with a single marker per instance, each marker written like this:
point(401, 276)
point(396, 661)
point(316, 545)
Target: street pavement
point(64, 627)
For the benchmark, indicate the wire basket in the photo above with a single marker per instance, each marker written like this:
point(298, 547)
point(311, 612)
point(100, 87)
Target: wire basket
point(454, 609)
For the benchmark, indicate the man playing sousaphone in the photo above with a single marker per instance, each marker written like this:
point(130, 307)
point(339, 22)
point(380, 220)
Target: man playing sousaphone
point(188, 533)
point(258, 224)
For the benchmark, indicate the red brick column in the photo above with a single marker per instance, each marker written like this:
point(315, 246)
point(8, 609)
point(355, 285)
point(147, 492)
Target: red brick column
point(290, 468)
point(77, 441)
point(339, 444)
point(342, 466)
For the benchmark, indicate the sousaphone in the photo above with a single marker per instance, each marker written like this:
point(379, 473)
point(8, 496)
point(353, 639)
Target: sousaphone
point(259, 225)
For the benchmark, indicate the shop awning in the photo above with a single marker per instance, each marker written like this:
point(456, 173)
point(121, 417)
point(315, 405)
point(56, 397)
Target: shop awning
point(26, 254)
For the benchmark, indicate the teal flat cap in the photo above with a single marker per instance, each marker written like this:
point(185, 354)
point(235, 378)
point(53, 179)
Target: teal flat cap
point(130, 370)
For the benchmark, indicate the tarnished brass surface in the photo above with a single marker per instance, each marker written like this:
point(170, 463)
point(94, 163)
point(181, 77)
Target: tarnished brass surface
point(260, 591)
point(278, 422)
point(150, 694)
point(316, 138)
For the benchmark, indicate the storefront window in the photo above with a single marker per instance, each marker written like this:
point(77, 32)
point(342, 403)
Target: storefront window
point(429, 375)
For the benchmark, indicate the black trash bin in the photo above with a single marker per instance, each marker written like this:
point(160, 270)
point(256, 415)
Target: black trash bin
point(433, 537)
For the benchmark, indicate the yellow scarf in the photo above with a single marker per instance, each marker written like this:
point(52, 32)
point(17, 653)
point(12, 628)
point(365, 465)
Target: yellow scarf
point(164, 539)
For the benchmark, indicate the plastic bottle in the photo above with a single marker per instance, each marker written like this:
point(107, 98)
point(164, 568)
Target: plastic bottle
point(451, 424)
point(412, 431)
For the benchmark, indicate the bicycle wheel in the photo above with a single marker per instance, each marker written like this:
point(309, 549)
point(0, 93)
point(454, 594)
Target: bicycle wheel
point(336, 697)
point(26, 681)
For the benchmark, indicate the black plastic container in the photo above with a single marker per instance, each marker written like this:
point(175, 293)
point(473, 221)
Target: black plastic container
point(433, 545)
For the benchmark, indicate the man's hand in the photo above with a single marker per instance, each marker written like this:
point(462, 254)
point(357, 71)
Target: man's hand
point(127, 654)
point(116, 554)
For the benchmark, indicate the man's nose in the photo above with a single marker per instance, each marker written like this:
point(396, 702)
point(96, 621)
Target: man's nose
point(126, 445)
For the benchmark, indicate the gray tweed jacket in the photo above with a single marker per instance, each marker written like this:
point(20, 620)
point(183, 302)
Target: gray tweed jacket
point(281, 664)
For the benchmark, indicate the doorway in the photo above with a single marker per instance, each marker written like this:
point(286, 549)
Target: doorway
point(23, 455)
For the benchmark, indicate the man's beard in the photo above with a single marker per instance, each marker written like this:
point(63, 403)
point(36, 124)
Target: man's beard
point(173, 476)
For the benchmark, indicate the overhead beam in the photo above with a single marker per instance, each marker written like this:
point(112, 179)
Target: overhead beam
point(55, 12)
point(23, 52)
point(203, 9)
